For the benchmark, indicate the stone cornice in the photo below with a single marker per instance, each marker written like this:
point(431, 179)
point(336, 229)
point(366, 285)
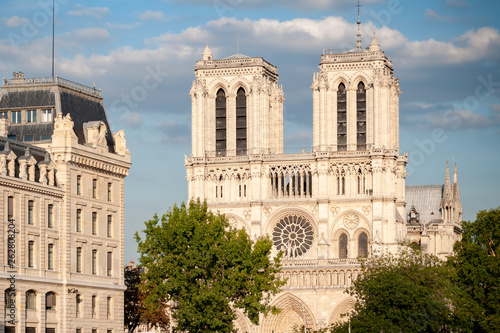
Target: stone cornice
point(31, 187)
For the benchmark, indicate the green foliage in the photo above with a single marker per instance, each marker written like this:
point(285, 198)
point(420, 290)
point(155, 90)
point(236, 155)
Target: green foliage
point(205, 268)
point(477, 265)
point(404, 292)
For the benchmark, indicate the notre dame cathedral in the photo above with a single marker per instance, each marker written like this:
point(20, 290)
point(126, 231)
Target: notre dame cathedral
point(344, 199)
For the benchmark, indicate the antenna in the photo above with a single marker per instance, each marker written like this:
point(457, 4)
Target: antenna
point(53, 33)
point(358, 40)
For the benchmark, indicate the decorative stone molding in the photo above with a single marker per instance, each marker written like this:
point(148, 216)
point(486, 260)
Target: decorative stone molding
point(351, 221)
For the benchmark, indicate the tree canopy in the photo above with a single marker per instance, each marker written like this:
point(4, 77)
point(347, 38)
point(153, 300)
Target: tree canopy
point(206, 269)
point(477, 265)
point(403, 292)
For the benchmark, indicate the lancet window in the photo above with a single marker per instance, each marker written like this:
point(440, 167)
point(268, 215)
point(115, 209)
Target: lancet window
point(362, 245)
point(361, 116)
point(341, 118)
point(220, 123)
point(343, 246)
point(241, 122)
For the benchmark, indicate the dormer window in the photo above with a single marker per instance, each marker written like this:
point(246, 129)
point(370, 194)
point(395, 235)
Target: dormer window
point(46, 116)
point(31, 116)
point(16, 117)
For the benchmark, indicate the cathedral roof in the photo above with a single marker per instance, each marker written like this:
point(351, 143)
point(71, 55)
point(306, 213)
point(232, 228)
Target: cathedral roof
point(427, 201)
point(237, 56)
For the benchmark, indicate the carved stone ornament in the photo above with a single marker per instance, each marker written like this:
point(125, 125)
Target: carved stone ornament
point(351, 221)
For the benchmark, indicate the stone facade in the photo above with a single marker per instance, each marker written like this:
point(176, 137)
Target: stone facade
point(62, 178)
point(325, 208)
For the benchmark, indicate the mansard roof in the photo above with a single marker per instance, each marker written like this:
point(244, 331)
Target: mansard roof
point(83, 103)
point(427, 201)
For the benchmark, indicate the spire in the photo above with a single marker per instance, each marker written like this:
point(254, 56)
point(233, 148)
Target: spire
point(207, 54)
point(456, 198)
point(358, 40)
point(374, 45)
point(447, 196)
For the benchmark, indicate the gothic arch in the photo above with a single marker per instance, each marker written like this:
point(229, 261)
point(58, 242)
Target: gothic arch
point(222, 84)
point(241, 323)
point(338, 222)
point(338, 80)
point(341, 309)
point(360, 77)
point(293, 312)
point(237, 83)
point(238, 223)
point(280, 213)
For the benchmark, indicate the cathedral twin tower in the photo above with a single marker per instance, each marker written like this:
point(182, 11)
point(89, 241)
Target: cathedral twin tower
point(324, 208)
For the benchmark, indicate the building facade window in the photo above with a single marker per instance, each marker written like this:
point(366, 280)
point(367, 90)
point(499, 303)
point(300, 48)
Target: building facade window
point(50, 257)
point(10, 298)
point(94, 306)
point(28, 138)
point(50, 216)
point(31, 300)
point(94, 188)
point(109, 264)
point(78, 220)
point(31, 254)
point(241, 122)
point(94, 262)
point(341, 118)
point(343, 246)
point(46, 116)
point(94, 223)
point(220, 123)
point(31, 116)
point(110, 187)
point(79, 185)
point(16, 117)
point(110, 226)
point(50, 301)
point(10, 207)
point(78, 259)
point(30, 212)
point(4, 115)
point(362, 245)
point(361, 116)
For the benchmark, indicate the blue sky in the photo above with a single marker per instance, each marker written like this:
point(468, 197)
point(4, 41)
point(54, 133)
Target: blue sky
point(446, 54)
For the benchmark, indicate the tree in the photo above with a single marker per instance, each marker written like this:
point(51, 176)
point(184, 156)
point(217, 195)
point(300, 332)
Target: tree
point(408, 291)
point(135, 313)
point(131, 298)
point(477, 265)
point(206, 269)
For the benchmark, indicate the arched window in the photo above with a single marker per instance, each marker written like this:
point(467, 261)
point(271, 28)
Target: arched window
point(343, 246)
point(241, 122)
point(10, 298)
point(108, 308)
point(220, 123)
point(361, 116)
point(31, 299)
point(50, 301)
point(362, 245)
point(94, 306)
point(341, 118)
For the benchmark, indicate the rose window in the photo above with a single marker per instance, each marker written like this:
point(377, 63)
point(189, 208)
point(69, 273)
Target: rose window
point(293, 235)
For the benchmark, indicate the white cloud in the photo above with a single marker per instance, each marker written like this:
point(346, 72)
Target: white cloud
point(14, 21)
point(93, 34)
point(86, 11)
point(152, 15)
